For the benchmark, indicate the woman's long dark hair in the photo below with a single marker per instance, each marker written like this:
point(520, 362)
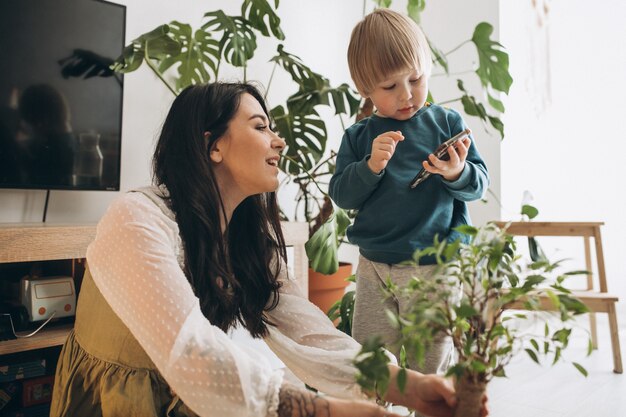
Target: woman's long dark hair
point(234, 275)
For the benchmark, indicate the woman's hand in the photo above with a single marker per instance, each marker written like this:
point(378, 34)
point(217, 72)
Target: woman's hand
point(431, 395)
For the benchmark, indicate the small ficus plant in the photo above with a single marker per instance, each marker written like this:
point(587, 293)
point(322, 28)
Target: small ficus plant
point(485, 335)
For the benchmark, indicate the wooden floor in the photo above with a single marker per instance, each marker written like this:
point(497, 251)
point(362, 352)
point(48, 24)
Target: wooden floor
point(560, 391)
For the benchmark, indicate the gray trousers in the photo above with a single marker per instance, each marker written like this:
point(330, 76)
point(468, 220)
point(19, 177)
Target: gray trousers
point(370, 318)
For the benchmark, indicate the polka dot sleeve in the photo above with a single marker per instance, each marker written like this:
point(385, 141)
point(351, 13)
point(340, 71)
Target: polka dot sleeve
point(310, 345)
point(134, 261)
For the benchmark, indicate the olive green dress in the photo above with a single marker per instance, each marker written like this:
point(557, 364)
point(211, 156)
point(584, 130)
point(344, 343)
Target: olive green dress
point(103, 371)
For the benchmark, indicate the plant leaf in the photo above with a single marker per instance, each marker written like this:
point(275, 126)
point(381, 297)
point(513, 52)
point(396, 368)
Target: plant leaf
point(530, 211)
point(314, 89)
point(307, 79)
point(465, 310)
point(401, 379)
point(536, 253)
point(493, 69)
point(402, 358)
point(414, 8)
point(160, 44)
point(305, 135)
point(198, 57)
point(535, 344)
point(532, 355)
point(257, 12)
point(238, 41)
point(495, 103)
point(472, 107)
point(466, 229)
point(580, 368)
point(322, 247)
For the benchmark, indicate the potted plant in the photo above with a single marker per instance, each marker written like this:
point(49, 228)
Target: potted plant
point(485, 339)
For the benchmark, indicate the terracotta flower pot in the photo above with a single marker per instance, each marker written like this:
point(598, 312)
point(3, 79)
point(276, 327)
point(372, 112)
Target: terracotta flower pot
point(325, 290)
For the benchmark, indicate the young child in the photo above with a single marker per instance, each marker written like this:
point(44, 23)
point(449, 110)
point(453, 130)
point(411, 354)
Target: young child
point(389, 60)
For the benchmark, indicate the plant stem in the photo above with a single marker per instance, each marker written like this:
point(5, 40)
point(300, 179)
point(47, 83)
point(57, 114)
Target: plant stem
point(156, 71)
point(306, 172)
point(441, 103)
point(269, 82)
point(457, 48)
point(453, 73)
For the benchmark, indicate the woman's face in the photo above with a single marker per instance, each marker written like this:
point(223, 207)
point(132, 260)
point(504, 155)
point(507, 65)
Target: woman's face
point(246, 157)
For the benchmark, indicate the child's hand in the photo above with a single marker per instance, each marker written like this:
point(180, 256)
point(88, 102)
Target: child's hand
point(450, 170)
point(383, 149)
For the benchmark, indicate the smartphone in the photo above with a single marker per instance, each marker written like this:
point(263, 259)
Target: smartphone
point(441, 153)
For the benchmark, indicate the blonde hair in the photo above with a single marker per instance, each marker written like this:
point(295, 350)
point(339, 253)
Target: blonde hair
point(383, 43)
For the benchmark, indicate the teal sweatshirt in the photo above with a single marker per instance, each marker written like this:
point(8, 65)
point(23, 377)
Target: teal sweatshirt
point(394, 220)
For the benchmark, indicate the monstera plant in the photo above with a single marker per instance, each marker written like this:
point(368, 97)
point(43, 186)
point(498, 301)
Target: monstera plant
point(180, 55)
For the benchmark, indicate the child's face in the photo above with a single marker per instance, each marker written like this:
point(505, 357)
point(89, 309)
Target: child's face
point(401, 95)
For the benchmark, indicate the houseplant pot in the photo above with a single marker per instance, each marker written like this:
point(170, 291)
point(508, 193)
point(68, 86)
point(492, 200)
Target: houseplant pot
point(326, 289)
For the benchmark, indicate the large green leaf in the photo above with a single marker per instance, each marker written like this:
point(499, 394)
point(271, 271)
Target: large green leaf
point(160, 44)
point(305, 135)
point(495, 103)
point(198, 58)
point(257, 12)
point(314, 89)
point(322, 247)
point(238, 41)
point(493, 66)
point(307, 79)
point(343, 99)
point(474, 108)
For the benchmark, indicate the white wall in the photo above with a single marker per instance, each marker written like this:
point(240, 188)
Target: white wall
point(565, 118)
point(318, 32)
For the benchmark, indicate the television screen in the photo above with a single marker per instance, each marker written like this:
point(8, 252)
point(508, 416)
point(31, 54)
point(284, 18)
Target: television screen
point(60, 104)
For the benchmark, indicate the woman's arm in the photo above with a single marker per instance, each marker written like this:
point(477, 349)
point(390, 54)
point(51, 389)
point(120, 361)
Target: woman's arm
point(309, 344)
point(295, 402)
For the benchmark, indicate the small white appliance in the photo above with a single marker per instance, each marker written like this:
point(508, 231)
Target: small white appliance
point(47, 296)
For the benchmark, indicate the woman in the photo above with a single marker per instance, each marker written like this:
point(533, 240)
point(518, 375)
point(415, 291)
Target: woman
point(174, 266)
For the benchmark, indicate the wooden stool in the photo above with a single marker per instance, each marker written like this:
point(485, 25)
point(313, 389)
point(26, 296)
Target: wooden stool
point(597, 300)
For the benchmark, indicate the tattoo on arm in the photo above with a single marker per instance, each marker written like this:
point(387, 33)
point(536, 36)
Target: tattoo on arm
point(294, 402)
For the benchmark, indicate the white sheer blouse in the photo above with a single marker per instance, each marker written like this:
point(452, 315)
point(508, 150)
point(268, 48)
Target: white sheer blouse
point(136, 261)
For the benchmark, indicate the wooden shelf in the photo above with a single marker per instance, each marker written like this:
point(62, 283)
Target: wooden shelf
point(33, 242)
point(44, 242)
point(54, 336)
